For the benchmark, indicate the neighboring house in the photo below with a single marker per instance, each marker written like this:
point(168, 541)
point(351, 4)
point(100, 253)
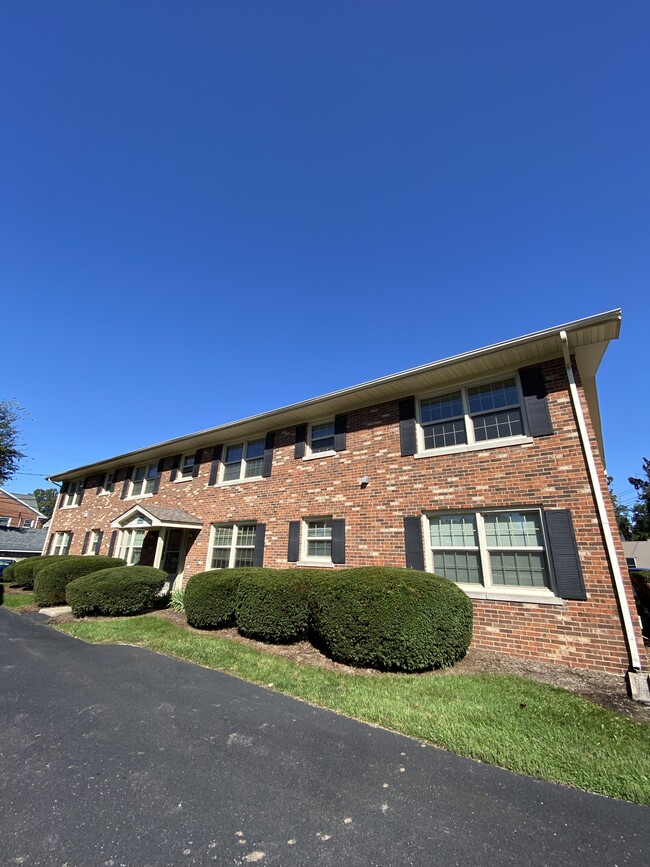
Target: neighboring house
point(486, 468)
point(637, 555)
point(20, 510)
point(18, 544)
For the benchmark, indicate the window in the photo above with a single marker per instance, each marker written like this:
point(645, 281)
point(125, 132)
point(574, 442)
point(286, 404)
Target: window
point(94, 542)
point(105, 484)
point(318, 539)
point(72, 496)
point(470, 416)
point(490, 549)
point(28, 523)
point(243, 461)
point(232, 545)
point(5, 521)
point(186, 468)
point(321, 437)
point(61, 543)
point(131, 546)
point(144, 481)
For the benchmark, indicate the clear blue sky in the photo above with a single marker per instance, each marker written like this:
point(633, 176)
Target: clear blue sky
point(212, 209)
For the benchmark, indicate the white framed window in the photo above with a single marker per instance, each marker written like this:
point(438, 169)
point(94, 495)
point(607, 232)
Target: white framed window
point(317, 540)
point(72, 497)
point(186, 468)
point(321, 438)
point(61, 542)
point(5, 521)
point(143, 480)
point(105, 485)
point(472, 416)
point(94, 542)
point(497, 550)
point(28, 523)
point(243, 461)
point(131, 542)
point(232, 545)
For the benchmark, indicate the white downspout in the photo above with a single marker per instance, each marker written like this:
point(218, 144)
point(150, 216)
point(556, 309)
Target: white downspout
point(619, 586)
point(49, 529)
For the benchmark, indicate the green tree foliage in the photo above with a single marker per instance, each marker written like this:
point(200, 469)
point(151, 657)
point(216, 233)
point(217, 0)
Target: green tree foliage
point(45, 500)
point(10, 453)
point(621, 512)
point(641, 509)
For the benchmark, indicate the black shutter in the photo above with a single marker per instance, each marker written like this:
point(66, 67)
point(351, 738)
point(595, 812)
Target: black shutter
point(340, 428)
point(110, 487)
point(214, 469)
point(197, 463)
point(413, 542)
point(407, 426)
point(301, 436)
point(83, 491)
point(293, 554)
point(536, 402)
point(128, 472)
point(338, 540)
point(267, 466)
point(176, 462)
point(111, 544)
point(100, 536)
point(564, 554)
point(258, 551)
point(84, 547)
point(159, 469)
point(64, 489)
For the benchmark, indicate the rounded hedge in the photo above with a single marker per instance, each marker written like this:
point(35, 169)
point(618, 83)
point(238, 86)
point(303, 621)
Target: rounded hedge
point(116, 592)
point(210, 598)
point(51, 580)
point(641, 583)
point(273, 605)
point(390, 618)
point(22, 572)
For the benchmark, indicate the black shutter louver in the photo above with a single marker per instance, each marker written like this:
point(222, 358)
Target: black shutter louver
point(536, 402)
point(100, 536)
point(82, 489)
point(269, 445)
point(301, 437)
point(407, 426)
point(111, 544)
point(159, 469)
point(340, 429)
point(214, 469)
point(258, 550)
point(198, 454)
point(293, 553)
point(84, 547)
point(564, 554)
point(176, 462)
point(338, 540)
point(110, 487)
point(128, 472)
point(413, 542)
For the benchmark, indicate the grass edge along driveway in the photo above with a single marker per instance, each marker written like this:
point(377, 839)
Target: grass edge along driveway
point(506, 720)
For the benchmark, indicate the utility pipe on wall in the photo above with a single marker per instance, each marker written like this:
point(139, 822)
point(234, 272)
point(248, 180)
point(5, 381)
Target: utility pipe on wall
point(619, 586)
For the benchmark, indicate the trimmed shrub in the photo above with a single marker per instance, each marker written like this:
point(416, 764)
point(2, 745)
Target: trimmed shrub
point(641, 583)
point(51, 580)
point(116, 592)
point(390, 618)
point(21, 573)
point(272, 604)
point(210, 598)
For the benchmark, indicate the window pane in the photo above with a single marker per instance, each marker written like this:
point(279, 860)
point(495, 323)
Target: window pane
point(139, 474)
point(322, 437)
point(322, 430)
point(255, 450)
point(244, 557)
point(450, 433)
point(319, 530)
point(220, 558)
point(493, 396)
point(498, 425)
point(518, 569)
point(234, 453)
point(319, 548)
point(458, 566)
point(231, 472)
point(222, 536)
point(457, 531)
point(188, 465)
point(514, 530)
point(246, 535)
point(439, 408)
point(254, 468)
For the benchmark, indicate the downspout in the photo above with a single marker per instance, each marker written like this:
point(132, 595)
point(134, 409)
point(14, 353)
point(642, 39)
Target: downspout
point(619, 586)
point(49, 529)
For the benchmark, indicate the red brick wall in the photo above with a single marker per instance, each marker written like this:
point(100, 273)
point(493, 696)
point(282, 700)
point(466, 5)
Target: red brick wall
point(10, 508)
point(550, 472)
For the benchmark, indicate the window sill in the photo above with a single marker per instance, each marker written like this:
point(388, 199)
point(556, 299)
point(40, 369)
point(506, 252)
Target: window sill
point(491, 595)
point(73, 506)
point(232, 482)
point(476, 447)
point(138, 497)
point(317, 455)
point(188, 479)
point(315, 564)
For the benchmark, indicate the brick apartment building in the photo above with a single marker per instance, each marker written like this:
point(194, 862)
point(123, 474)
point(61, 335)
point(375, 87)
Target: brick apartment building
point(486, 468)
point(20, 511)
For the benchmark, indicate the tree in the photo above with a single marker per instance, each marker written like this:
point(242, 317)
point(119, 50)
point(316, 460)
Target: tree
point(621, 512)
point(45, 500)
point(10, 453)
point(641, 509)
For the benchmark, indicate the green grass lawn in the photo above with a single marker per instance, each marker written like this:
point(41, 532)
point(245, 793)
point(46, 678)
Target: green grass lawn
point(18, 599)
point(510, 721)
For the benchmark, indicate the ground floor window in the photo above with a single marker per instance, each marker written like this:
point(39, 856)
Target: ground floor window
point(318, 539)
point(61, 543)
point(232, 545)
point(131, 546)
point(489, 549)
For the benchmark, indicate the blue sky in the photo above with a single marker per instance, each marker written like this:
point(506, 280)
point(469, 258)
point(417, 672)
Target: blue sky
point(212, 209)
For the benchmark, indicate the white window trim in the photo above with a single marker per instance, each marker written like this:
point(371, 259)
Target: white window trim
point(65, 537)
point(185, 474)
point(234, 547)
point(242, 479)
point(471, 445)
point(310, 454)
point(126, 546)
point(72, 497)
point(305, 558)
point(92, 543)
point(103, 485)
point(6, 518)
point(488, 590)
point(147, 478)
point(29, 523)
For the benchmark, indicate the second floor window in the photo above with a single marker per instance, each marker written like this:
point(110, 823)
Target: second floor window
point(143, 481)
point(243, 461)
point(72, 496)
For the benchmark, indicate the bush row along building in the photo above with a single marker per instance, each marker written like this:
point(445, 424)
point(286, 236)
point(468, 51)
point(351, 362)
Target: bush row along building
point(486, 468)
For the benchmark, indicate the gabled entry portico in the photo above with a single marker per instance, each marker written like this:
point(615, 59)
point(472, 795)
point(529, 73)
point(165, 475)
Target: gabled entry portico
point(155, 536)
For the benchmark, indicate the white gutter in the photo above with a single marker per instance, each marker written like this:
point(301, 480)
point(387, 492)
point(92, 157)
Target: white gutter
point(619, 586)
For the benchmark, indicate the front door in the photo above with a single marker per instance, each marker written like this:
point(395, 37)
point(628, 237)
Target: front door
point(173, 556)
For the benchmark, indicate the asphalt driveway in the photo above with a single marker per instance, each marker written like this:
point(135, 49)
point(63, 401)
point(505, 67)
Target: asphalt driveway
point(112, 755)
